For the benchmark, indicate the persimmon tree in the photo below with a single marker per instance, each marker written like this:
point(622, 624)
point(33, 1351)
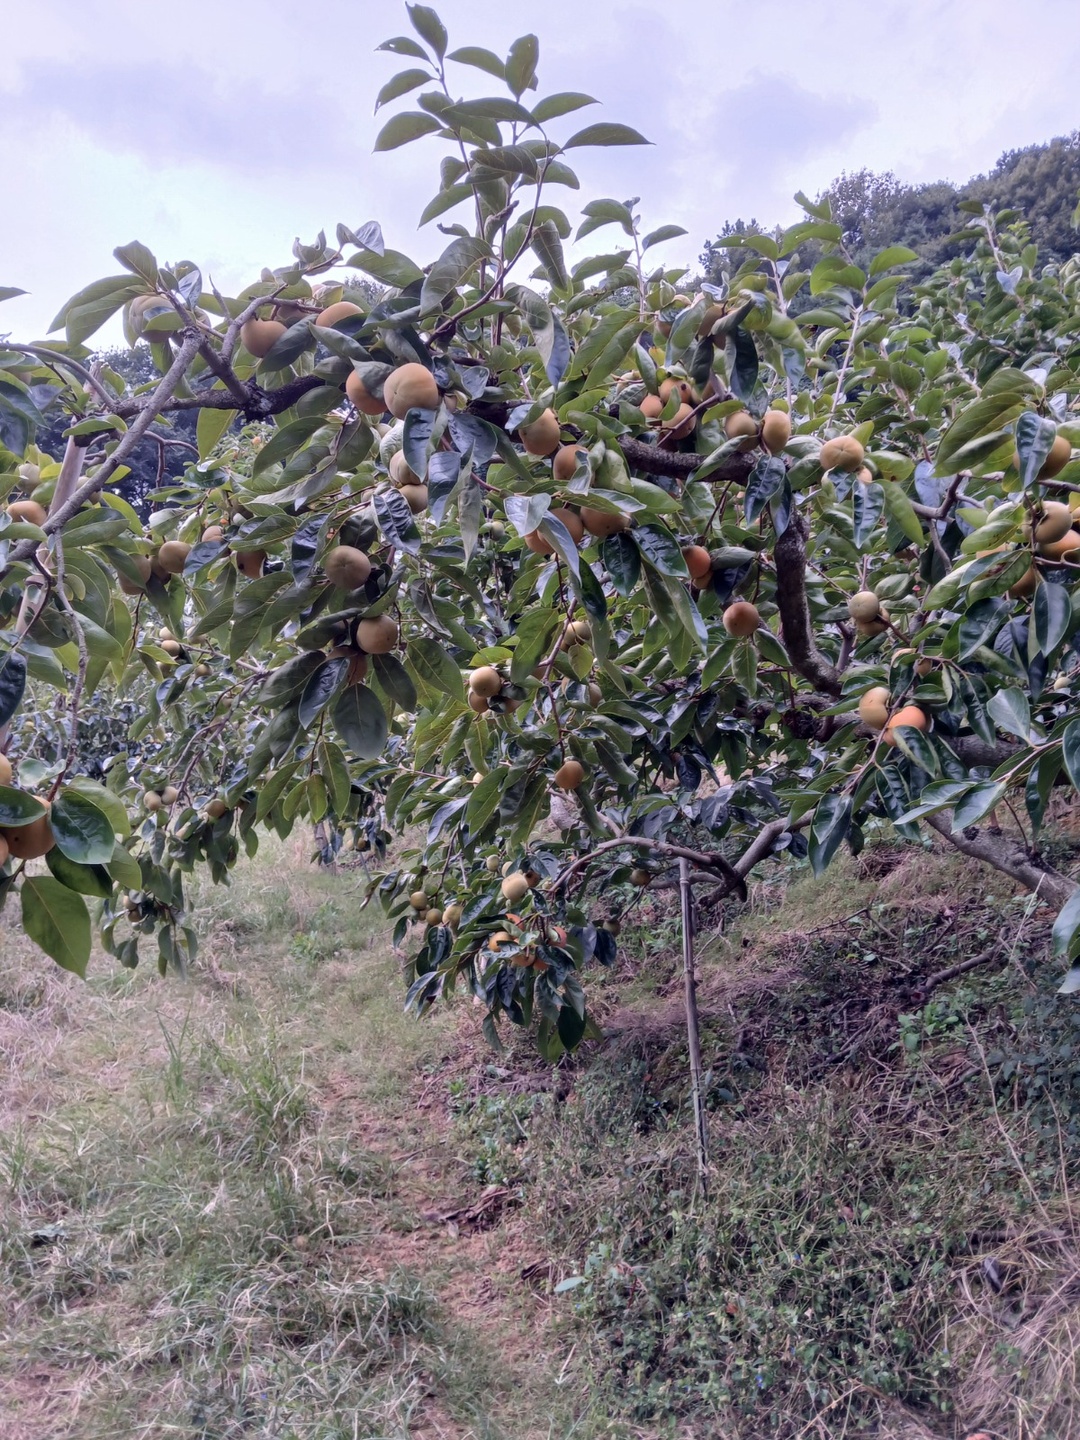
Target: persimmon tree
point(569, 572)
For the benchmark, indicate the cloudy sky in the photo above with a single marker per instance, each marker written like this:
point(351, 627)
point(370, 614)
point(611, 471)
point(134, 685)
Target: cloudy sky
point(220, 129)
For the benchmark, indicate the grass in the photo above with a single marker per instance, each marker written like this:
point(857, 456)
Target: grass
point(212, 1197)
point(889, 1247)
point(239, 1207)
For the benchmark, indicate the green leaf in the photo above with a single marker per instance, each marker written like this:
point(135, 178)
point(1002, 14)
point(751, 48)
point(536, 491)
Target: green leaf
point(657, 237)
point(360, 720)
point(451, 268)
point(428, 26)
point(1070, 752)
point(622, 561)
point(12, 683)
point(404, 45)
point(899, 510)
point(55, 918)
point(1053, 616)
point(563, 103)
point(660, 549)
point(92, 880)
point(1034, 437)
point(124, 869)
point(138, 259)
point(547, 247)
point(17, 807)
point(404, 127)
point(321, 689)
point(894, 255)
point(979, 801)
point(479, 59)
point(210, 427)
point(1010, 710)
point(830, 825)
point(535, 634)
point(1064, 933)
point(485, 798)
point(9, 292)
point(606, 133)
point(521, 65)
point(395, 681)
point(868, 502)
point(400, 84)
point(83, 832)
point(435, 672)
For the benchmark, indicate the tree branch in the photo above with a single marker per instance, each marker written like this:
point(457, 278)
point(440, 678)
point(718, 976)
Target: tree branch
point(789, 557)
point(59, 516)
point(1005, 853)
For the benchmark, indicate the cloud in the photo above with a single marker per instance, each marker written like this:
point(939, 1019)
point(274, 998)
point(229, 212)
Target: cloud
point(767, 128)
point(175, 114)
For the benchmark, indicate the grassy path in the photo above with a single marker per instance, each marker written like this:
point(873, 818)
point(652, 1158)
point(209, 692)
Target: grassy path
point(234, 1207)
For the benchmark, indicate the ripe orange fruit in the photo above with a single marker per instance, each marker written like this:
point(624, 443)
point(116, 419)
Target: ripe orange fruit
point(260, 336)
point(362, 397)
point(542, 436)
point(569, 775)
point(775, 430)
point(909, 715)
point(603, 523)
point(698, 562)
point(741, 619)
point(329, 317)
point(410, 387)
point(843, 453)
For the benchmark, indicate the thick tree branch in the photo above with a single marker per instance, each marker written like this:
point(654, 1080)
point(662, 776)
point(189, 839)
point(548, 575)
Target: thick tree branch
point(1007, 854)
point(789, 557)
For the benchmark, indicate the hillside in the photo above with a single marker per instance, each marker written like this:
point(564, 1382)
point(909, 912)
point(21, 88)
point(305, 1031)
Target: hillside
point(266, 1204)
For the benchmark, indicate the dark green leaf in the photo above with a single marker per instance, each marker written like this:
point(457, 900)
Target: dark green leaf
point(408, 125)
point(1034, 437)
point(83, 832)
point(17, 807)
point(395, 681)
point(661, 550)
point(547, 248)
point(606, 133)
point(563, 103)
point(1053, 616)
point(1070, 752)
point(321, 688)
point(479, 59)
point(830, 825)
point(435, 671)
point(92, 880)
point(868, 502)
point(1010, 710)
point(360, 720)
point(979, 801)
point(394, 517)
point(520, 72)
point(622, 560)
point(763, 482)
point(428, 26)
point(451, 268)
point(535, 634)
point(55, 919)
point(1066, 926)
point(401, 84)
point(12, 683)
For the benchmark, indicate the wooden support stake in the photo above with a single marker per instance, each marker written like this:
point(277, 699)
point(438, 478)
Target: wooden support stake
point(693, 1033)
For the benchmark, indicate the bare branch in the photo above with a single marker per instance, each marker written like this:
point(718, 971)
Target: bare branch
point(1006, 853)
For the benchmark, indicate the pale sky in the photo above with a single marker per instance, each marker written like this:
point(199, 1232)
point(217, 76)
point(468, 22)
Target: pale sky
point(218, 130)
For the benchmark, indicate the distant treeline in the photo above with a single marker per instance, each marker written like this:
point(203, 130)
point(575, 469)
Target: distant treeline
point(1040, 182)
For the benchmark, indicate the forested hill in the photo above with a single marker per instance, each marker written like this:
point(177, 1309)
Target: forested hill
point(1041, 182)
